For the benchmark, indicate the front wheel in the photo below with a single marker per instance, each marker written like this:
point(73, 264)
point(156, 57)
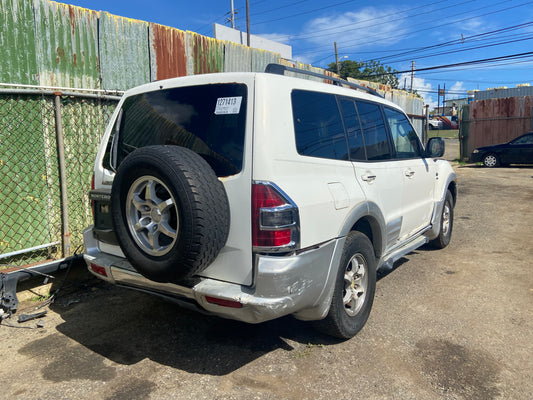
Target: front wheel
point(354, 289)
point(446, 224)
point(491, 161)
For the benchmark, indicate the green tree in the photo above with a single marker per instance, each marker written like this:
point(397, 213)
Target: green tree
point(372, 71)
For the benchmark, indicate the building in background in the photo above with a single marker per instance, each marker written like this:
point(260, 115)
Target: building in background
point(222, 32)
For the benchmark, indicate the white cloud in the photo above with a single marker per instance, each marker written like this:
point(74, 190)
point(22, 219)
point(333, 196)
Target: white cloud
point(276, 37)
point(429, 92)
point(457, 90)
point(354, 29)
point(471, 26)
point(423, 88)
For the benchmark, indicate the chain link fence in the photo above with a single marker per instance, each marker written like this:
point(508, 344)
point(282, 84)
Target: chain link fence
point(48, 141)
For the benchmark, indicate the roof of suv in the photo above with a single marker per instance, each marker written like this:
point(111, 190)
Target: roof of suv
point(249, 77)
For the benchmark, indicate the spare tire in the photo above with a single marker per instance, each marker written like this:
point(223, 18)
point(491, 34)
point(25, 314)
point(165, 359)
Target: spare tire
point(170, 212)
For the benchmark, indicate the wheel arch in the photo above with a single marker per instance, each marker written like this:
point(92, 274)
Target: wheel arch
point(452, 187)
point(367, 219)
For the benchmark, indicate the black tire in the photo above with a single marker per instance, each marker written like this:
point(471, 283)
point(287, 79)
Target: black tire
point(491, 160)
point(170, 212)
point(348, 313)
point(446, 224)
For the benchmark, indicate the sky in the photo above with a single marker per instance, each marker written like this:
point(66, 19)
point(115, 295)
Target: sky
point(491, 40)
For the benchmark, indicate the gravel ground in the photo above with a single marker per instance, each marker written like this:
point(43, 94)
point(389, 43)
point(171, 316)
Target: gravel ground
point(449, 324)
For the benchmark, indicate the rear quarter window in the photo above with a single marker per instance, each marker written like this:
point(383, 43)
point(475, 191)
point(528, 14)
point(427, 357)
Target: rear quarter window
point(318, 127)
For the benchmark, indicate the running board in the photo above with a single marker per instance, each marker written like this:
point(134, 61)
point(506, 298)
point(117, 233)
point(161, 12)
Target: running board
point(389, 260)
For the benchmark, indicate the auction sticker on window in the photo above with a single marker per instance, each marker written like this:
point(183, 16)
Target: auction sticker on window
point(228, 105)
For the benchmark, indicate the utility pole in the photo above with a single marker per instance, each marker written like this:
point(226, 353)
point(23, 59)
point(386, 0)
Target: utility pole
point(248, 23)
point(438, 100)
point(412, 74)
point(444, 100)
point(337, 59)
point(232, 15)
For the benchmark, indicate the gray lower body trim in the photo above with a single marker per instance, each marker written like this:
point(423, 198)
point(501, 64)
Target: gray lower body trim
point(300, 284)
point(436, 220)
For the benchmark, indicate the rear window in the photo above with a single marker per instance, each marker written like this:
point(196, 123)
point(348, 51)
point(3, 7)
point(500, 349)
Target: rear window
point(209, 120)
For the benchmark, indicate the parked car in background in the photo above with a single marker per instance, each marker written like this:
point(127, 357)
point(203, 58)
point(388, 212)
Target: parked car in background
point(434, 124)
point(517, 151)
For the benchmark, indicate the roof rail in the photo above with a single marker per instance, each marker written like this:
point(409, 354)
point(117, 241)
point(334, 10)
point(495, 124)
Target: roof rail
point(281, 69)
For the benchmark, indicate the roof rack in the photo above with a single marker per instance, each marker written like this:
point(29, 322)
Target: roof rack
point(279, 69)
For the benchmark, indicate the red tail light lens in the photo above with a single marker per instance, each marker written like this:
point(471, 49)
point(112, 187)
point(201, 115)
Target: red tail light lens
point(275, 221)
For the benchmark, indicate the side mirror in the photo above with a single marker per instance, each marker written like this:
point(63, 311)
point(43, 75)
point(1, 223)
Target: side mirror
point(435, 147)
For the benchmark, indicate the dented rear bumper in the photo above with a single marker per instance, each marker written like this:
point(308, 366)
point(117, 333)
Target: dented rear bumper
point(300, 284)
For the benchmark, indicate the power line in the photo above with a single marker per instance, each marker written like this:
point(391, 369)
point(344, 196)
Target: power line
point(465, 49)
point(406, 34)
point(457, 41)
point(304, 36)
point(455, 21)
point(279, 8)
point(304, 12)
point(473, 62)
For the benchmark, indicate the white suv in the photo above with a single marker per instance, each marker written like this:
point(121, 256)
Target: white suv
point(254, 195)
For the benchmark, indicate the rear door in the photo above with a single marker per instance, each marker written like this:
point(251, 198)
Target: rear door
point(418, 174)
point(371, 155)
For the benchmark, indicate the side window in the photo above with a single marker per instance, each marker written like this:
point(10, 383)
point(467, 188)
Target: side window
point(356, 144)
point(317, 125)
point(524, 140)
point(374, 132)
point(404, 137)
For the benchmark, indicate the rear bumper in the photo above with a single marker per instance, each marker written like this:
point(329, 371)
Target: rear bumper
point(300, 284)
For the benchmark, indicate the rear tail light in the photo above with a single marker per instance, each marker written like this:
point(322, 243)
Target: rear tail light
point(275, 219)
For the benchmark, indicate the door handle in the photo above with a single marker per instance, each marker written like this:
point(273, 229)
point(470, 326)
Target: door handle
point(409, 173)
point(368, 177)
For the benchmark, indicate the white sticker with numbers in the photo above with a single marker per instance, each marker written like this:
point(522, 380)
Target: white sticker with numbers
point(228, 105)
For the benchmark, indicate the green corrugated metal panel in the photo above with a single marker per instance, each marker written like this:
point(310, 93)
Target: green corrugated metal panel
point(67, 45)
point(17, 40)
point(207, 54)
point(261, 58)
point(124, 55)
point(237, 58)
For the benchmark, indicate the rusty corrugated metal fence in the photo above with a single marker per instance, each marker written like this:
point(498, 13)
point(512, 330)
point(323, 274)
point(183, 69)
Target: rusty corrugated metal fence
point(493, 121)
point(52, 47)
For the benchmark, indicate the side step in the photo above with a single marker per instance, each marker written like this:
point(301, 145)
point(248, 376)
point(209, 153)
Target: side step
point(388, 261)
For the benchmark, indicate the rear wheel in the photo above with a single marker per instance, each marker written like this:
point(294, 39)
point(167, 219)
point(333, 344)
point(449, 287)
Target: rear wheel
point(354, 289)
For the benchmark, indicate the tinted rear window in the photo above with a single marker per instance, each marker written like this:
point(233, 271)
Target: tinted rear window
point(208, 119)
